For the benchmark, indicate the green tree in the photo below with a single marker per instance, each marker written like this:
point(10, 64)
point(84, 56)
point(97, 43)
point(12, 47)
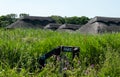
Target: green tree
point(22, 15)
point(8, 19)
point(12, 15)
point(72, 20)
point(76, 20)
point(84, 20)
point(58, 19)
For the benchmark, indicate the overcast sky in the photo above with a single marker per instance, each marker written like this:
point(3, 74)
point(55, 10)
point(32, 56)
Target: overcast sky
point(89, 8)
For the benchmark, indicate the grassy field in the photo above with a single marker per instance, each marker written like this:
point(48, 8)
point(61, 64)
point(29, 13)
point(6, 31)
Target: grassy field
point(20, 48)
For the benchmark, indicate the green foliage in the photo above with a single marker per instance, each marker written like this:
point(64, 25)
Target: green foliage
point(77, 20)
point(111, 65)
point(58, 19)
point(12, 15)
point(71, 20)
point(6, 20)
point(22, 15)
point(20, 48)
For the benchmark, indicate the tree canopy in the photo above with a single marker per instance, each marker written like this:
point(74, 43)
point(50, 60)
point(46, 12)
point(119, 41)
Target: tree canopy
point(8, 19)
point(71, 20)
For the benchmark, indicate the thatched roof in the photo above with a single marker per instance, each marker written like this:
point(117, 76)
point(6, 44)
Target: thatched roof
point(105, 20)
point(101, 25)
point(70, 26)
point(31, 22)
point(52, 26)
point(32, 18)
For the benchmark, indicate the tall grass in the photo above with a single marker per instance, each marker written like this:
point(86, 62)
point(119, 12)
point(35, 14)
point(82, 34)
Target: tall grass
point(20, 48)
